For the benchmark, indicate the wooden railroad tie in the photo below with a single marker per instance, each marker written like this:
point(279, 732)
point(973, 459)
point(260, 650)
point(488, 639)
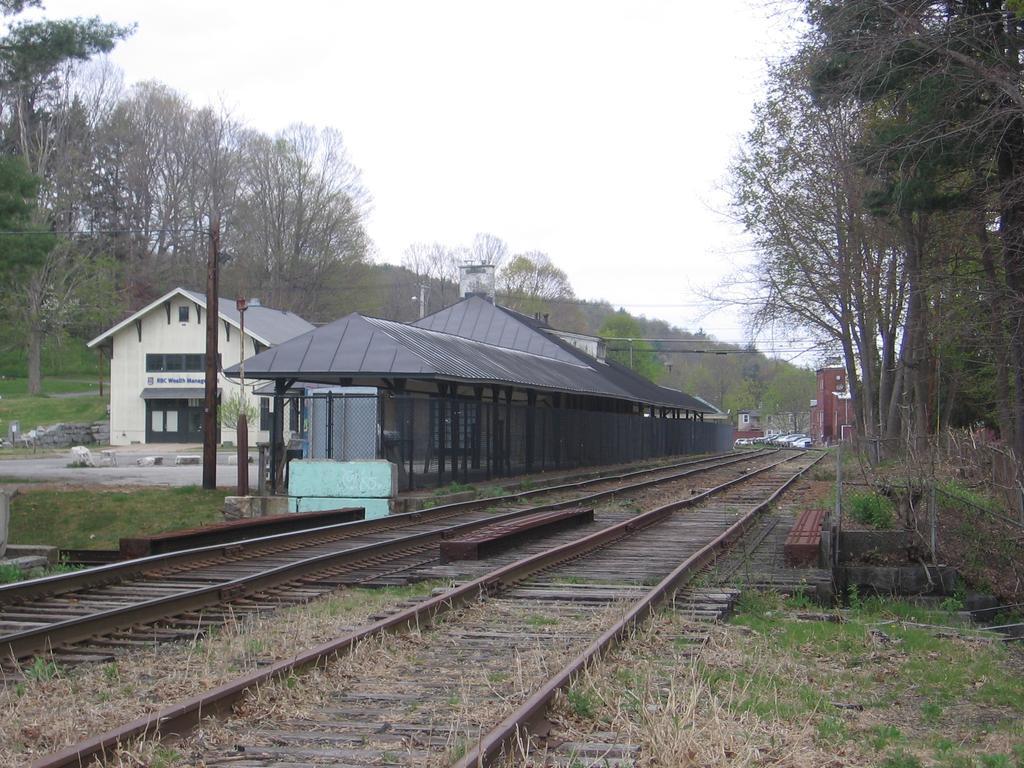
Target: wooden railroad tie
point(803, 544)
point(235, 530)
point(495, 538)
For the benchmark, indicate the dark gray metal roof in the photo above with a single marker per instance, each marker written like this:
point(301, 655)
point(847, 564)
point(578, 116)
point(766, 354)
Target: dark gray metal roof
point(471, 341)
point(479, 319)
point(357, 346)
point(272, 325)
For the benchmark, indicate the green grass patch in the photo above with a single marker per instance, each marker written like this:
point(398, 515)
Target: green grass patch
point(582, 702)
point(452, 488)
point(44, 410)
point(10, 574)
point(955, 495)
point(51, 386)
point(357, 599)
point(917, 690)
point(870, 508)
point(97, 519)
point(63, 357)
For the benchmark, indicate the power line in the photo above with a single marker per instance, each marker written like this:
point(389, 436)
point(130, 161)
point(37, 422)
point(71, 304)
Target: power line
point(362, 286)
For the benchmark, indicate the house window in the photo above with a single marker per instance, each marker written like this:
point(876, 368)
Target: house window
point(158, 363)
point(183, 314)
point(264, 413)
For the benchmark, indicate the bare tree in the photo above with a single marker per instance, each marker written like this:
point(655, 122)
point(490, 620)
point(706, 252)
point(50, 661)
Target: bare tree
point(488, 249)
point(298, 222)
point(435, 266)
point(826, 265)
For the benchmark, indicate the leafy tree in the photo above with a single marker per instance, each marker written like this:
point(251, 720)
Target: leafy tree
point(530, 282)
point(18, 252)
point(623, 333)
point(233, 407)
point(742, 395)
point(789, 391)
point(48, 289)
point(33, 60)
point(944, 81)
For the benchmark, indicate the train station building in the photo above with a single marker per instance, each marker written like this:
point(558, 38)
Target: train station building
point(471, 392)
point(158, 365)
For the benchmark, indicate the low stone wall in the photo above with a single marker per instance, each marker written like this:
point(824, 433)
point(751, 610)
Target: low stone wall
point(244, 507)
point(920, 579)
point(66, 435)
point(857, 545)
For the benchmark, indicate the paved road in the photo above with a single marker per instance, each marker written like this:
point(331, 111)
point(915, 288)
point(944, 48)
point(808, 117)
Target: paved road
point(127, 471)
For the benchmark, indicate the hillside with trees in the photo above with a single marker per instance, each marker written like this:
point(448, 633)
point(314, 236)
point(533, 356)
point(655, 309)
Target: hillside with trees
point(110, 192)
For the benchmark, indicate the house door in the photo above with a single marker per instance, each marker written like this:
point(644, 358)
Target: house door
point(175, 421)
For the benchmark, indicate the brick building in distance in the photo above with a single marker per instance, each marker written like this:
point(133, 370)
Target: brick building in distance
point(831, 411)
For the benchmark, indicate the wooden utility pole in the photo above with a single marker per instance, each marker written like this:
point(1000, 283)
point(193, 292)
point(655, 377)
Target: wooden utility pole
point(210, 406)
point(242, 428)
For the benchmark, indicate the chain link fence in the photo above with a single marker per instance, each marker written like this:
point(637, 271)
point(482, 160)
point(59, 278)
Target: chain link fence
point(435, 441)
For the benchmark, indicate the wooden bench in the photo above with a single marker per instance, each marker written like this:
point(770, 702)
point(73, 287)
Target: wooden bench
point(234, 530)
point(803, 544)
point(494, 538)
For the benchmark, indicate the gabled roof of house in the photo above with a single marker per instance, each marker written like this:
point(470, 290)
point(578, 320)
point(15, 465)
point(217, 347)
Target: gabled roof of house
point(357, 346)
point(267, 326)
point(477, 318)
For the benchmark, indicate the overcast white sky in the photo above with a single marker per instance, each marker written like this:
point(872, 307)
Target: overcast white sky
point(597, 132)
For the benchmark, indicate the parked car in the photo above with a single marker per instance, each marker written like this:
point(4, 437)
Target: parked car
point(788, 440)
point(803, 442)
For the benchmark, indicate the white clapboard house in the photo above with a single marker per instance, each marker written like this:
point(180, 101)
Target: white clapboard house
point(157, 366)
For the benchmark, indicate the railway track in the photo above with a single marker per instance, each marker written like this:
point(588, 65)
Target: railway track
point(88, 616)
point(490, 653)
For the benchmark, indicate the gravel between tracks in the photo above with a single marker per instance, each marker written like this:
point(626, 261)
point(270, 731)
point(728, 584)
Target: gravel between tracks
point(467, 692)
point(54, 708)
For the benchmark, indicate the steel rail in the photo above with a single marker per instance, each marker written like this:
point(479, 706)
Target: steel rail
point(104, 575)
point(177, 719)
point(50, 636)
point(491, 745)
